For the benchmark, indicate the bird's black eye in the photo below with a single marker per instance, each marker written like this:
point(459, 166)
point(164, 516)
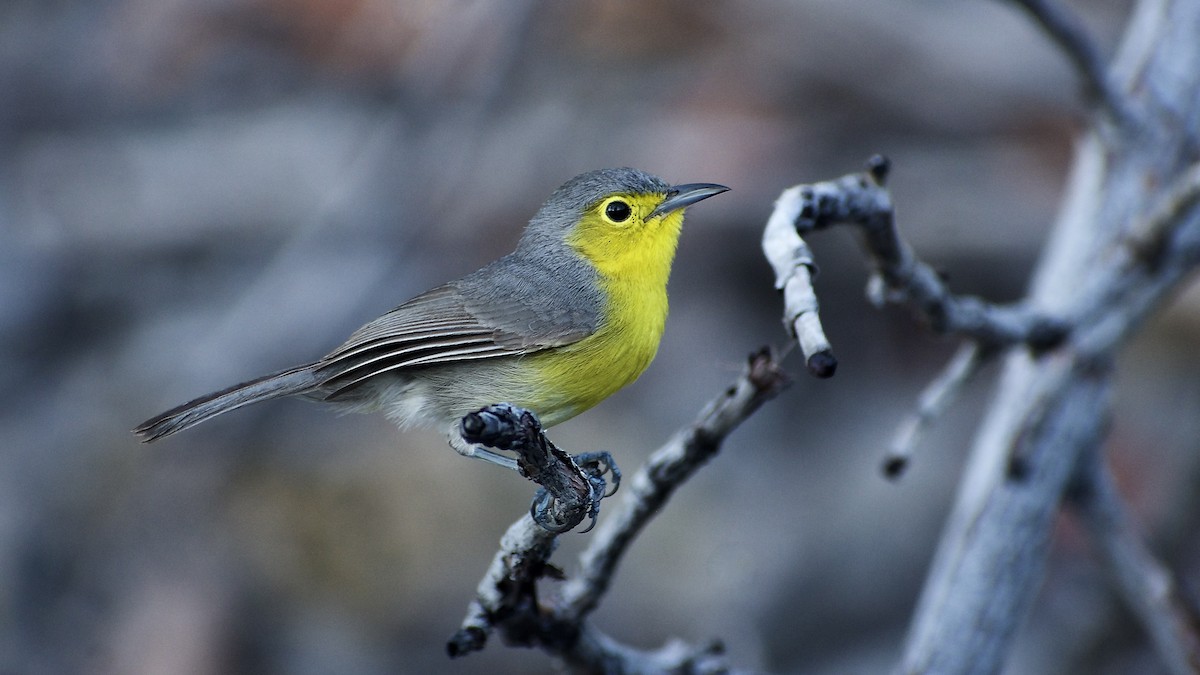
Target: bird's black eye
point(618, 211)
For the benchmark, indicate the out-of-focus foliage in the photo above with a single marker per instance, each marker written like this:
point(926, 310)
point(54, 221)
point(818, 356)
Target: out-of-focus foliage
point(194, 192)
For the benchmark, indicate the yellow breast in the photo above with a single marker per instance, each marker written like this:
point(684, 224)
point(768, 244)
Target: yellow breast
point(634, 265)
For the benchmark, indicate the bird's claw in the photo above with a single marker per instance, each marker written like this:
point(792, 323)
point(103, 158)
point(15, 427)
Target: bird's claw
point(592, 467)
point(595, 465)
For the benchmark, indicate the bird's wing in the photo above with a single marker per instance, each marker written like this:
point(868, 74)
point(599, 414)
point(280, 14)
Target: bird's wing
point(442, 326)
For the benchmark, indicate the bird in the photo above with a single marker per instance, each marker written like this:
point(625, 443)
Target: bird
point(574, 313)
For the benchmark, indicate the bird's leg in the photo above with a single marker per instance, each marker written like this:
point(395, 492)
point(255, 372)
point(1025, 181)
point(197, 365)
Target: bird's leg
point(572, 487)
point(477, 451)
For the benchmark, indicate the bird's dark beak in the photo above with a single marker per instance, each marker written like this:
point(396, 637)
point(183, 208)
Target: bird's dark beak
point(680, 196)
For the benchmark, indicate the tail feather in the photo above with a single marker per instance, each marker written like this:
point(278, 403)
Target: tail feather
point(284, 383)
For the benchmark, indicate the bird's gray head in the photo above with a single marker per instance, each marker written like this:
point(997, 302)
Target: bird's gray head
point(568, 203)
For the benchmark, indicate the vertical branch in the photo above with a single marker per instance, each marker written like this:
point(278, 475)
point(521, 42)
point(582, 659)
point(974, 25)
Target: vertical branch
point(993, 551)
point(992, 554)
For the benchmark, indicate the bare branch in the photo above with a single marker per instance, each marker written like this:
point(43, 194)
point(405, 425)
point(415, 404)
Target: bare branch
point(1044, 418)
point(1159, 250)
point(667, 469)
point(1149, 588)
point(507, 598)
point(992, 554)
point(1149, 237)
point(794, 270)
point(933, 401)
point(861, 199)
point(509, 587)
point(595, 652)
point(1070, 35)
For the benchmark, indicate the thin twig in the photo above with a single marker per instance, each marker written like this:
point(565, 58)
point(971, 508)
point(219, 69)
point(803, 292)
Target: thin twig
point(1069, 34)
point(861, 199)
point(1148, 587)
point(794, 269)
point(1148, 238)
point(933, 401)
point(595, 652)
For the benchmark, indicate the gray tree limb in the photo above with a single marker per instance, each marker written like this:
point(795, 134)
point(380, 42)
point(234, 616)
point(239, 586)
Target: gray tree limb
point(1047, 413)
point(938, 395)
point(1127, 236)
point(1069, 34)
point(1146, 585)
point(507, 599)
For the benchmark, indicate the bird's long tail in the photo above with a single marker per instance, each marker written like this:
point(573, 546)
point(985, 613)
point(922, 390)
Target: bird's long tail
point(284, 383)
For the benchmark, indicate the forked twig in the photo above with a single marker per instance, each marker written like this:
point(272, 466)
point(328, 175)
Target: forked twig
point(507, 598)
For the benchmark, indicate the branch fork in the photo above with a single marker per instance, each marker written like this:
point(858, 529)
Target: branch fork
point(508, 599)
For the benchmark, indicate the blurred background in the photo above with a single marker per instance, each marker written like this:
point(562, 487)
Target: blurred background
point(195, 192)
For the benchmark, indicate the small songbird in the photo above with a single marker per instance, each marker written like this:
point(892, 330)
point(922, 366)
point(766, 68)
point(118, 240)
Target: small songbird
point(572, 315)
